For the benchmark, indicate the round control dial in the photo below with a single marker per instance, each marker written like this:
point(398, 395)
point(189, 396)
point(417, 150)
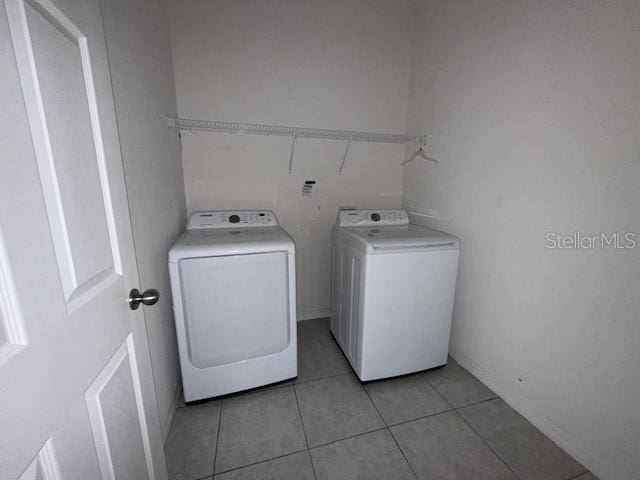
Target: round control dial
point(234, 219)
point(375, 217)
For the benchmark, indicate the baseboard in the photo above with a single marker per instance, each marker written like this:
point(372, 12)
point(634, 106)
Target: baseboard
point(311, 314)
point(524, 407)
point(167, 418)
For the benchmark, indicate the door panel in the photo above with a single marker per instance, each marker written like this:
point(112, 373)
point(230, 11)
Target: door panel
point(66, 255)
point(59, 92)
point(22, 203)
point(45, 466)
point(77, 206)
point(13, 335)
point(117, 418)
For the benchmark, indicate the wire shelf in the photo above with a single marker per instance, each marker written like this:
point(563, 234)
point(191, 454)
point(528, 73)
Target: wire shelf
point(294, 132)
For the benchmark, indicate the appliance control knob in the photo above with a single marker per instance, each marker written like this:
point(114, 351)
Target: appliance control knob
point(234, 219)
point(375, 217)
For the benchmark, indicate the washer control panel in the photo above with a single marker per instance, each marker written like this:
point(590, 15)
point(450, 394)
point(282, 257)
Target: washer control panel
point(365, 218)
point(231, 218)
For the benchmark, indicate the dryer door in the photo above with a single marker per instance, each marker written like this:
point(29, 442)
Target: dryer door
point(235, 307)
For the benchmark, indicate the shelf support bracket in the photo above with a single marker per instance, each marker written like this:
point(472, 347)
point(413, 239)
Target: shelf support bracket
point(344, 157)
point(293, 146)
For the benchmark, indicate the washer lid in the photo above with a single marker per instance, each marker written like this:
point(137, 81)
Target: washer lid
point(403, 237)
point(214, 242)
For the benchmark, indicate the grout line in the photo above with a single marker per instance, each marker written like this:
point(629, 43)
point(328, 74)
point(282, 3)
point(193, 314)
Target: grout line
point(374, 404)
point(404, 422)
point(456, 410)
point(313, 467)
point(205, 478)
point(487, 444)
point(263, 388)
point(304, 431)
point(262, 461)
point(580, 474)
point(215, 454)
point(435, 387)
point(348, 438)
point(462, 407)
point(395, 440)
point(390, 432)
point(321, 378)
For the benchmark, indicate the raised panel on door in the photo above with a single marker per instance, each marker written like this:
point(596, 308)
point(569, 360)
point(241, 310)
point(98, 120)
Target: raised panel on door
point(59, 91)
point(44, 466)
point(4, 341)
point(116, 412)
point(13, 334)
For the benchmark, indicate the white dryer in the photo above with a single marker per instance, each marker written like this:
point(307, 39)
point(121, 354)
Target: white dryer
point(233, 285)
point(393, 287)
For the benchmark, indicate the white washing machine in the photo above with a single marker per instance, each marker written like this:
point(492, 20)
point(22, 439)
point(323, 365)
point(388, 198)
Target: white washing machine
point(393, 286)
point(233, 285)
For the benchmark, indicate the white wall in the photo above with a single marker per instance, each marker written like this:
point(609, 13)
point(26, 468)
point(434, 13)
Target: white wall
point(533, 110)
point(332, 64)
point(137, 35)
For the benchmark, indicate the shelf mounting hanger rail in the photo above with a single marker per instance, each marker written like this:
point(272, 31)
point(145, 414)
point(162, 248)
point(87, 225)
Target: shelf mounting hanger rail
point(292, 132)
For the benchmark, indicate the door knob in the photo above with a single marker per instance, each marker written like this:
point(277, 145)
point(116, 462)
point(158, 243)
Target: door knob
point(148, 297)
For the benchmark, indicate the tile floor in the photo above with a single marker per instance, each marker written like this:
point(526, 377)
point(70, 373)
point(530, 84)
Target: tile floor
point(326, 425)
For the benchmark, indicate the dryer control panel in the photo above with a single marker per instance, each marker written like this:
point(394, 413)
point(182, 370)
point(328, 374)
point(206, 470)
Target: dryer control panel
point(366, 218)
point(231, 218)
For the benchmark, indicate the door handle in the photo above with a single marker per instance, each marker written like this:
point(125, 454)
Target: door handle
point(148, 297)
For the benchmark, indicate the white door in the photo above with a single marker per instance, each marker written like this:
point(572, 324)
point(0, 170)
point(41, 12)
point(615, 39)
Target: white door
point(77, 397)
